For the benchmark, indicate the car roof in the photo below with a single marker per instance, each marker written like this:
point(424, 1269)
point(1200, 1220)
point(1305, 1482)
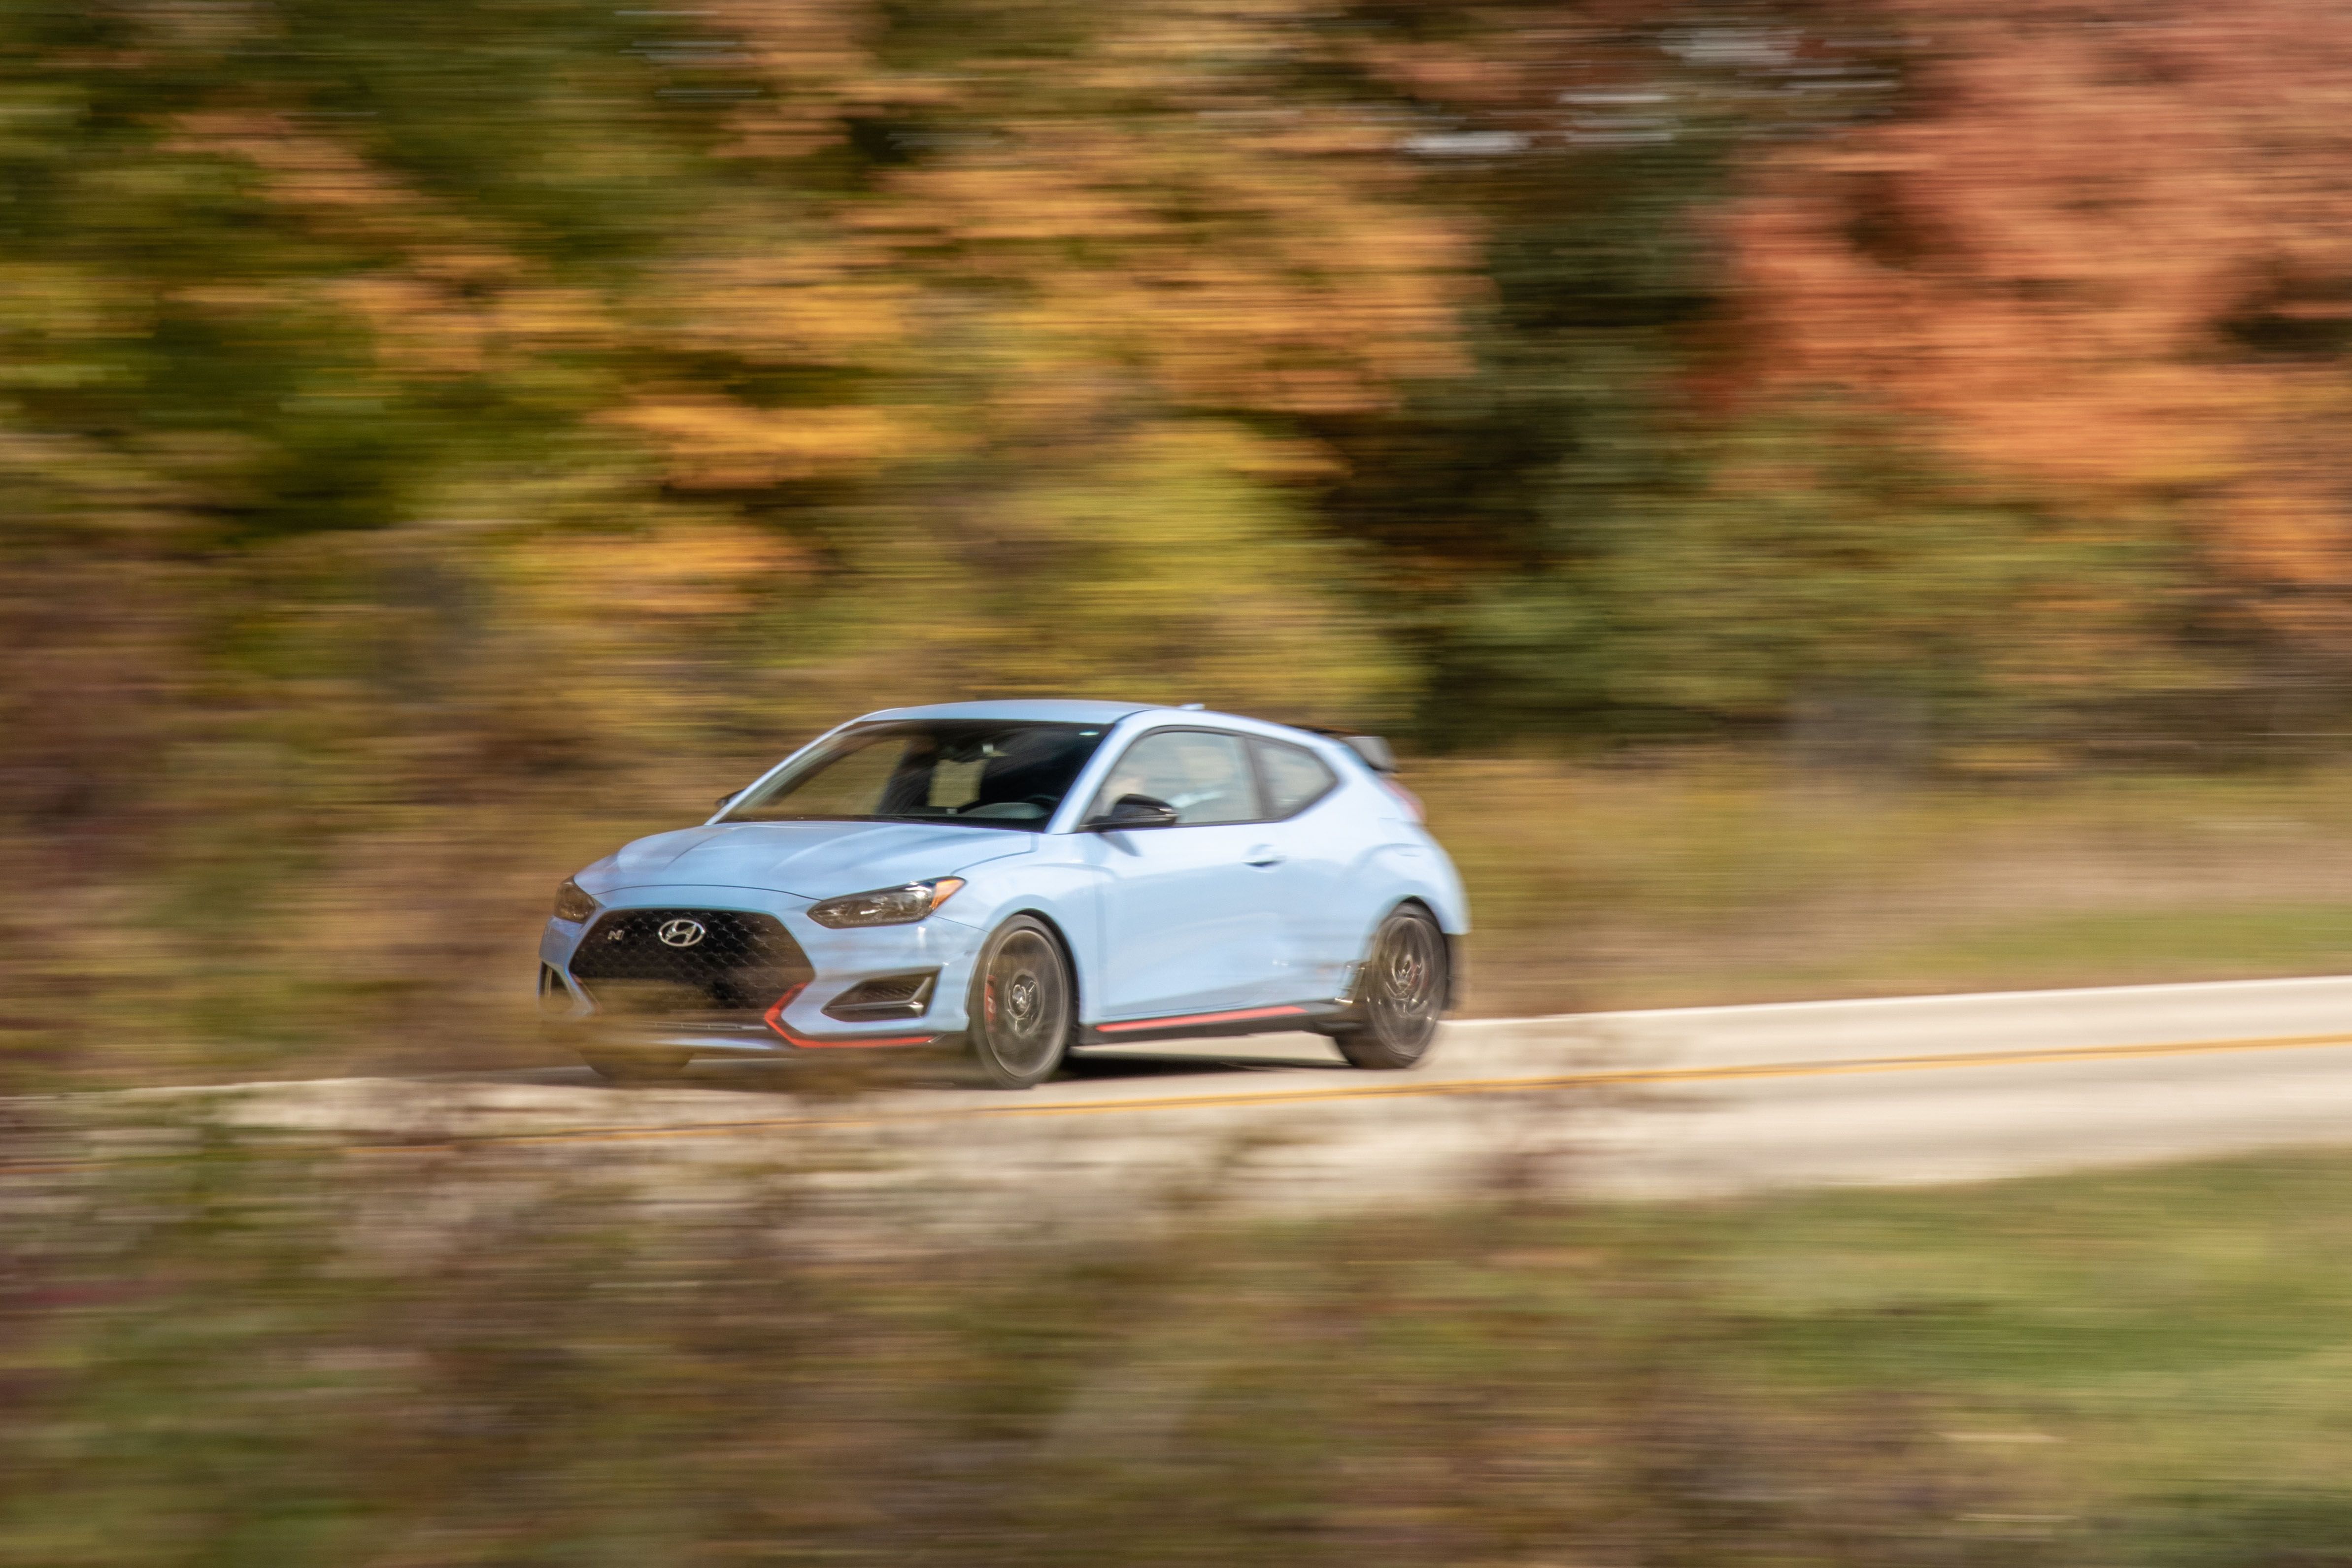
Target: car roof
point(1065, 710)
point(1041, 710)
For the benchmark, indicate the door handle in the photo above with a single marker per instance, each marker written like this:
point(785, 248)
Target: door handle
point(1264, 854)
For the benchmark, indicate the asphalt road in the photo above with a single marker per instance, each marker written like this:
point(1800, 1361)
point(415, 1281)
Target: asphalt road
point(1681, 1103)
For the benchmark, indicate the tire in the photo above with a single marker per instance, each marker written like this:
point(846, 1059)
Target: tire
point(1022, 1006)
point(1401, 992)
point(651, 1067)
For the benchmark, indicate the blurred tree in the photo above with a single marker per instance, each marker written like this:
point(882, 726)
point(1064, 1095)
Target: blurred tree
point(2105, 259)
point(901, 289)
point(1090, 276)
point(1821, 574)
point(1532, 515)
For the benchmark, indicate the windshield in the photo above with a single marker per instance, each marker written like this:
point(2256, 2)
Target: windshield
point(981, 773)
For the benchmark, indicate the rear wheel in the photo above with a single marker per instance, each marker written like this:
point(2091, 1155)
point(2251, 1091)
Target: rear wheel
point(1021, 1005)
point(1401, 993)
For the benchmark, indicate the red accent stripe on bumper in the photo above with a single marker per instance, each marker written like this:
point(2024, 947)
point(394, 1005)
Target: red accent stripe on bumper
point(1200, 1017)
point(775, 1020)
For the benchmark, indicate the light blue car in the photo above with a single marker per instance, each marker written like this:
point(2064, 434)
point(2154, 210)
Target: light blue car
point(1018, 879)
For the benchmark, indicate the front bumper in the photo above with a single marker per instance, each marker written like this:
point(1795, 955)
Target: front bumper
point(795, 1020)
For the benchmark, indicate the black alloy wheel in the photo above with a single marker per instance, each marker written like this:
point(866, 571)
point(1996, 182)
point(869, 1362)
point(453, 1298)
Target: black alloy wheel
point(1401, 992)
point(1021, 1005)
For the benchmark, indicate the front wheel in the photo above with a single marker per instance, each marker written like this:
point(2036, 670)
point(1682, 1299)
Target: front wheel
point(1401, 993)
point(1021, 1005)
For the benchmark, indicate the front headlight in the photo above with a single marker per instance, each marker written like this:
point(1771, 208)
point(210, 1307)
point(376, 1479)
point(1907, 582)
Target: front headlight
point(572, 904)
point(886, 905)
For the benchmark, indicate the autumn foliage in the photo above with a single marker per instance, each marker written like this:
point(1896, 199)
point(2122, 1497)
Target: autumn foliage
point(421, 437)
point(2104, 255)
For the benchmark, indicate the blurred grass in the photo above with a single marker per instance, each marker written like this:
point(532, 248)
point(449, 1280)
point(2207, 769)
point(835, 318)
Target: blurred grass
point(1731, 879)
point(458, 1360)
point(2124, 947)
point(2166, 1349)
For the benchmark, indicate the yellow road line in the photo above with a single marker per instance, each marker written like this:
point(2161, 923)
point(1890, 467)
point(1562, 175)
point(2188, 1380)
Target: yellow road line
point(1387, 1089)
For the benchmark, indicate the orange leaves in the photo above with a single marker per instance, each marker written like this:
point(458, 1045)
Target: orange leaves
point(1145, 221)
point(1231, 263)
point(1144, 204)
point(304, 169)
point(800, 301)
point(940, 288)
point(1034, 188)
point(419, 330)
point(813, 55)
point(2092, 258)
point(681, 571)
point(451, 301)
point(714, 442)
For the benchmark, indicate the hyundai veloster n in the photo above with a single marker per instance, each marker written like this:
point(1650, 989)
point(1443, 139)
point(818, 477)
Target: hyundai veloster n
point(1015, 879)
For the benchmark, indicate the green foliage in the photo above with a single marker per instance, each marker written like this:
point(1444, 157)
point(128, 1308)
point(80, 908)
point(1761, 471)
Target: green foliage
point(1811, 562)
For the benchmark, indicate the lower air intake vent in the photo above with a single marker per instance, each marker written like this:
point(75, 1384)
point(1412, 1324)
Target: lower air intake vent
point(885, 996)
point(688, 961)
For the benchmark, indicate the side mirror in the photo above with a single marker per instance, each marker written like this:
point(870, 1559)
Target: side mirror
point(728, 799)
point(1132, 811)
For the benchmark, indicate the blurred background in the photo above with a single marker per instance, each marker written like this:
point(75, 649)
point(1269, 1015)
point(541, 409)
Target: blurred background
point(1830, 499)
point(1836, 497)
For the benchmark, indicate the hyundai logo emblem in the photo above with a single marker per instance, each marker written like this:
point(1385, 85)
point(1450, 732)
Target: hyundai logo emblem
point(680, 933)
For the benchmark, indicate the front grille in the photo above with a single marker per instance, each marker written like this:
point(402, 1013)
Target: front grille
point(740, 964)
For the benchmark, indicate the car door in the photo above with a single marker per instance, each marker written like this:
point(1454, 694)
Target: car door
point(1187, 924)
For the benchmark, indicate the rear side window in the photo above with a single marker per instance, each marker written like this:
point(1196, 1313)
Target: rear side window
point(1205, 776)
point(1295, 777)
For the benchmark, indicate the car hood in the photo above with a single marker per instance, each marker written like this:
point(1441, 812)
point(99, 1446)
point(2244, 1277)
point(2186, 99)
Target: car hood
point(812, 860)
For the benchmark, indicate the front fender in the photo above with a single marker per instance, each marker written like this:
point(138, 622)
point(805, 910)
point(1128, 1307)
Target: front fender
point(1064, 895)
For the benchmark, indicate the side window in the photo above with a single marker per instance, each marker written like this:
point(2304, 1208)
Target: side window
point(1295, 776)
point(1206, 777)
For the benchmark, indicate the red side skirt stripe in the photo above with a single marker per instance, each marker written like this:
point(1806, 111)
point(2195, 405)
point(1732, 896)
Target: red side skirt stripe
point(1190, 1018)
